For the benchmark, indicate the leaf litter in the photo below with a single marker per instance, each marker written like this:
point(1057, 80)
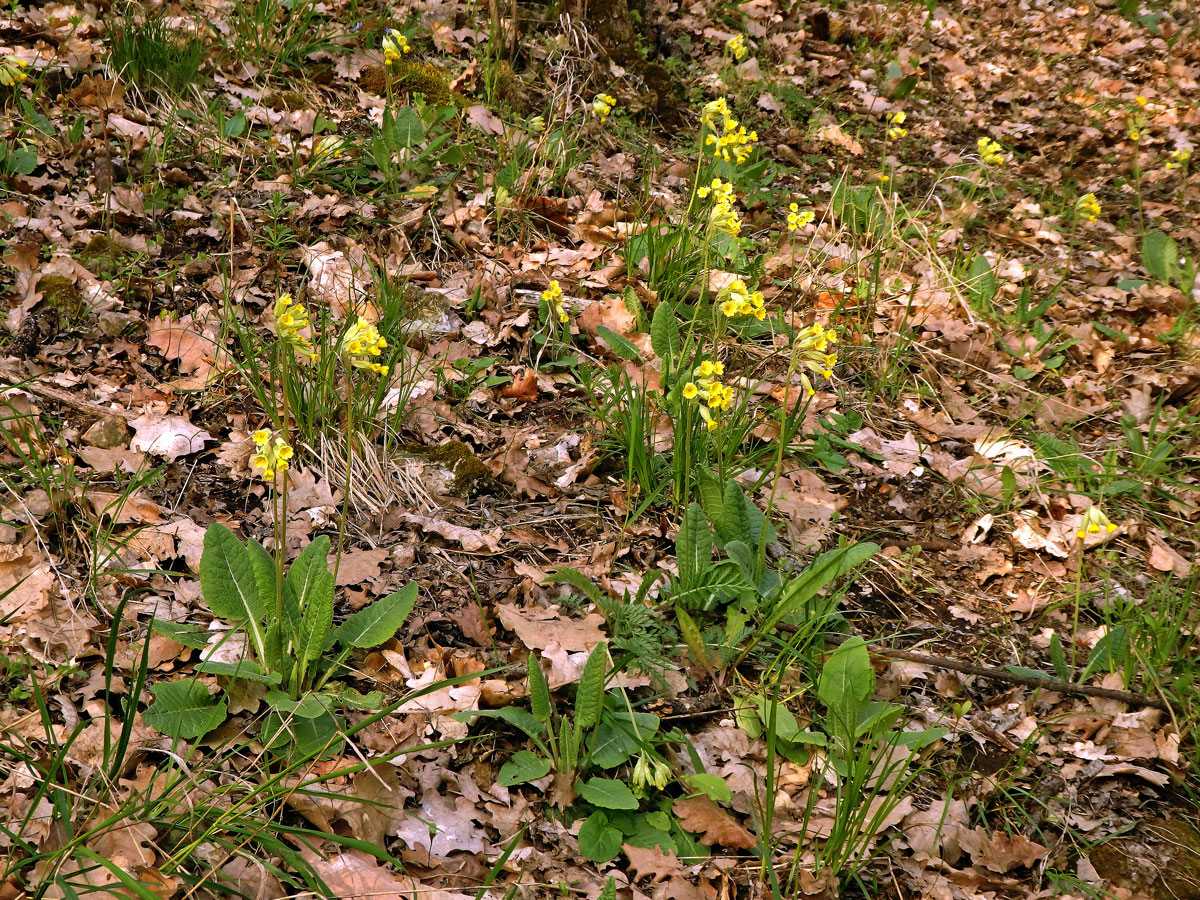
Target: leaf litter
point(986, 418)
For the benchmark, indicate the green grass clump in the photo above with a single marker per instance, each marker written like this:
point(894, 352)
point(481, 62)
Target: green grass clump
point(154, 56)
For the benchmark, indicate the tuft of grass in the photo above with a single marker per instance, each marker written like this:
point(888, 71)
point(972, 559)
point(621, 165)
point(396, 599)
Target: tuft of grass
point(151, 54)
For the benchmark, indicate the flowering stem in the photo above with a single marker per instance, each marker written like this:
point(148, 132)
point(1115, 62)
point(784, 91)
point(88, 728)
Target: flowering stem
point(337, 560)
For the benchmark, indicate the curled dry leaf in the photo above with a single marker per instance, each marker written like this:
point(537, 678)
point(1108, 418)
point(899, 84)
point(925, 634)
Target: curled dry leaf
point(171, 437)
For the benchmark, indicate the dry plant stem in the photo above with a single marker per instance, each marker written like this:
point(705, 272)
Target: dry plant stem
point(1033, 681)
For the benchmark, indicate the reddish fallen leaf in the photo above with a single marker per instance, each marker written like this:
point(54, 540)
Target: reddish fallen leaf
point(700, 815)
point(1000, 852)
point(523, 389)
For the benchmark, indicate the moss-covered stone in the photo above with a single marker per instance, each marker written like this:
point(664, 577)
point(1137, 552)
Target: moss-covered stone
point(61, 294)
point(463, 474)
point(409, 77)
point(1161, 858)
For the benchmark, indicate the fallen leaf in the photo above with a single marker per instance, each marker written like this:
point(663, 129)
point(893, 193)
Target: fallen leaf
point(700, 815)
point(1000, 852)
point(172, 437)
point(537, 629)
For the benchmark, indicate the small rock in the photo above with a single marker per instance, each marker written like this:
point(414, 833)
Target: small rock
point(107, 434)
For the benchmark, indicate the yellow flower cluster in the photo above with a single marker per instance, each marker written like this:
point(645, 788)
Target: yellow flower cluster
point(1178, 159)
point(812, 352)
point(649, 771)
point(714, 111)
point(361, 344)
point(12, 70)
point(707, 390)
point(395, 45)
point(729, 140)
point(271, 454)
point(1087, 208)
point(737, 300)
point(1095, 522)
point(722, 218)
point(990, 151)
point(797, 219)
point(553, 296)
point(603, 105)
point(737, 48)
point(895, 120)
point(291, 319)
point(330, 147)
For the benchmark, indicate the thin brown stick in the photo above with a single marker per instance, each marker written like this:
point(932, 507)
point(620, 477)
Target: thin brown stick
point(1033, 681)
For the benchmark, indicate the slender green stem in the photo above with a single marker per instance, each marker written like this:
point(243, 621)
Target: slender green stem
point(350, 438)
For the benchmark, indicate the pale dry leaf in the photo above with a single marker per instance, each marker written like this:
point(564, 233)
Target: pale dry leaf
point(537, 629)
point(171, 437)
point(185, 341)
point(471, 540)
point(1000, 852)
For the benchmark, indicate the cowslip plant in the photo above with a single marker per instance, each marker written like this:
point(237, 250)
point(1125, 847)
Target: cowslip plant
point(751, 597)
point(290, 644)
point(870, 760)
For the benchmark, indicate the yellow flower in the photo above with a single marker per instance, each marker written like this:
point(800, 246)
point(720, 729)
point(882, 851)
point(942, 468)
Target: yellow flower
point(553, 297)
point(12, 70)
point(732, 142)
point(737, 48)
point(724, 219)
point(895, 120)
point(721, 190)
point(690, 390)
point(395, 45)
point(810, 348)
point(1141, 101)
point(1178, 159)
point(272, 455)
point(536, 124)
point(291, 319)
point(329, 147)
point(1087, 208)
point(1095, 522)
point(797, 219)
point(603, 105)
point(361, 344)
point(712, 110)
point(1135, 135)
point(990, 151)
point(650, 771)
point(898, 118)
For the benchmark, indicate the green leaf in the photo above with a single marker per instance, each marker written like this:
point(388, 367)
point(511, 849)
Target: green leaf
point(189, 635)
point(876, 717)
point(228, 581)
point(610, 745)
point(1110, 653)
point(184, 709)
point(577, 579)
point(599, 841)
point(846, 683)
point(243, 668)
point(234, 126)
point(738, 525)
point(589, 699)
point(300, 738)
point(1029, 673)
point(692, 636)
point(711, 786)
point(304, 574)
point(619, 344)
point(607, 793)
point(539, 690)
point(310, 706)
point(820, 572)
point(317, 618)
point(524, 766)
point(1160, 256)
point(374, 624)
point(1058, 658)
point(402, 129)
point(264, 573)
point(664, 333)
point(981, 283)
point(609, 891)
point(693, 546)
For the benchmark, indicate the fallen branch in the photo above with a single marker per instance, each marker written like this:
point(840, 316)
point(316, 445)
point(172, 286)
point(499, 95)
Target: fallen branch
point(1033, 681)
